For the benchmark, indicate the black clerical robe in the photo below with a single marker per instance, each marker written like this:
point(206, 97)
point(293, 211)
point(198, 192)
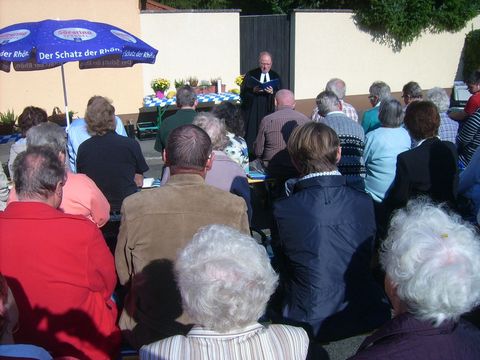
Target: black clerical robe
point(255, 106)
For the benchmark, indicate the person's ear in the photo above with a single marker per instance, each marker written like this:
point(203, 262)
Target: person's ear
point(59, 189)
point(209, 164)
point(62, 156)
point(339, 154)
point(391, 292)
point(165, 157)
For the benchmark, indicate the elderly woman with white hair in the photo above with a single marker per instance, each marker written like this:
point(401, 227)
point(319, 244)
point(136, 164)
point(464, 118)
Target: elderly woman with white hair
point(225, 280)
point(382, 146)
point(432, 264)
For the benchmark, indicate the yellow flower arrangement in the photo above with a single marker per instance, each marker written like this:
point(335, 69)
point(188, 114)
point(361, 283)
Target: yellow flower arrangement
point(239, 79)
point(160, 84)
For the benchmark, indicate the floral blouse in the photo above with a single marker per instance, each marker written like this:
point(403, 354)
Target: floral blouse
point(237, 150)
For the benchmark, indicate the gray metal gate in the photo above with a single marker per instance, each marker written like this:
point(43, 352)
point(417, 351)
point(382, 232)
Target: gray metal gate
point(266, 33)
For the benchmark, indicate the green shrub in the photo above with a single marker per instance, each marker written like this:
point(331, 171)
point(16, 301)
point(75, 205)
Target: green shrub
point(399, 22)
point(8, 118)
point(471, 53)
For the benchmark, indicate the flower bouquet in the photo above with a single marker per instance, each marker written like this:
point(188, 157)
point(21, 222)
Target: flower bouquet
point(159, 86)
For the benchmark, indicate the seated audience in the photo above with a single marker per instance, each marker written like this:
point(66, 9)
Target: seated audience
point(78, 133)
point(225, 173)
point(448, 128)
point(80, 194)
point(115, 163)
point(186, 100)
point(61, 272)
point(271, 143)
point(473, 103)
point(8, 323)
point(225, 280)
point(379, 91)
point(156, 223)
point(351, 137)
point(432, 265)
point(468, 139)
point(4, 190)
point(411, 91)
point(30, 117)
point(325, 244)
point(338, 87)
point(382, 146)
point(428, 169)
point(236, 148)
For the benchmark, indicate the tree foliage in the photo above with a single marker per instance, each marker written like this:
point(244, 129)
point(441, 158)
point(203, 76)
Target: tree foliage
point(399, 22)
point(394, 22)
point(471, 54)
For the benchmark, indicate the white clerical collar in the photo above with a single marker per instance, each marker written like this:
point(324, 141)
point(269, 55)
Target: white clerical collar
point(265, 77)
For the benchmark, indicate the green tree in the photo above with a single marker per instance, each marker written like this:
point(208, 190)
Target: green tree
point(471, 53)
point(197, 4)
point(399, 22)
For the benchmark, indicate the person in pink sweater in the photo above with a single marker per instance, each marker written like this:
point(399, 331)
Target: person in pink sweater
point(80, 194)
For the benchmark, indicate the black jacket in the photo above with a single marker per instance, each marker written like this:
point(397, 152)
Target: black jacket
point(326, 237)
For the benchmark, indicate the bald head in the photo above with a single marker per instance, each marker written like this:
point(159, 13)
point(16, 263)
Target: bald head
point(337, 86)
point(285, 97)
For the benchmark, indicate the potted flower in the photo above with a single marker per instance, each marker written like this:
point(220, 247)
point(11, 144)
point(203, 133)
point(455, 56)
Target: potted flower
point(7, 122)
point(239, 80)
point(179, 83)
point(218, 81)
point(204, 86)
point(192, 81)
point(159, 86)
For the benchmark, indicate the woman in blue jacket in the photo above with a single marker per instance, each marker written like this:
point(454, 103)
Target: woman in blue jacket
point(326, 240)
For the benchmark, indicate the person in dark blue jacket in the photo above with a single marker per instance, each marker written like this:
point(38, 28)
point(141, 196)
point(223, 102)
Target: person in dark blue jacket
point(325, 243)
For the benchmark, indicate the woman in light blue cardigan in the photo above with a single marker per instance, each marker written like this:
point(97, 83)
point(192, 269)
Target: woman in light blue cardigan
point(382, 146)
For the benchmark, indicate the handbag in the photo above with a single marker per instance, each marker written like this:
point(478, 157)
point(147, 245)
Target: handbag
point(57, 117)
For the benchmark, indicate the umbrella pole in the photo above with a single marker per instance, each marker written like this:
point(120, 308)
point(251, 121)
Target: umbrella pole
point(65, 98)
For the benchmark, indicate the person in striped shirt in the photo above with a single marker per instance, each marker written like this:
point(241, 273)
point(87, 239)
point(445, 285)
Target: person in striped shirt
point(225, 280)
point(468, 139)
point(338, 87)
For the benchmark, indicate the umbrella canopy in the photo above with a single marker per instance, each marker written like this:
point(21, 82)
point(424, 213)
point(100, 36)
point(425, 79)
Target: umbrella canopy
point(50, 43)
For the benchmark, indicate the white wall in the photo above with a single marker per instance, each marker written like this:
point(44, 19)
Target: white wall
point(328, 44)
point(201, 44)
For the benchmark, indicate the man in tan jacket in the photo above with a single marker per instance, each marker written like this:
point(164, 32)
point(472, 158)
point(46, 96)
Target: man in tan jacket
point(156, 224)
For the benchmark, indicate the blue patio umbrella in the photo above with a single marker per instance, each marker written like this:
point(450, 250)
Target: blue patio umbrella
point(51, 43)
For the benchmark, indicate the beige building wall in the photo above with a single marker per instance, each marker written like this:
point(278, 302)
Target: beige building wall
point(44, 88)
point(201, 44)
point(328, 44)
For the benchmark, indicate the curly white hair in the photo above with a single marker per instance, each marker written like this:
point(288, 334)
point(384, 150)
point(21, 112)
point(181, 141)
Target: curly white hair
point(225, 278)
point(433, 259)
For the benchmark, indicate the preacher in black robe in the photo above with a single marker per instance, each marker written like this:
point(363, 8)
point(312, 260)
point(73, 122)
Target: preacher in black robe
point(256, 105)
